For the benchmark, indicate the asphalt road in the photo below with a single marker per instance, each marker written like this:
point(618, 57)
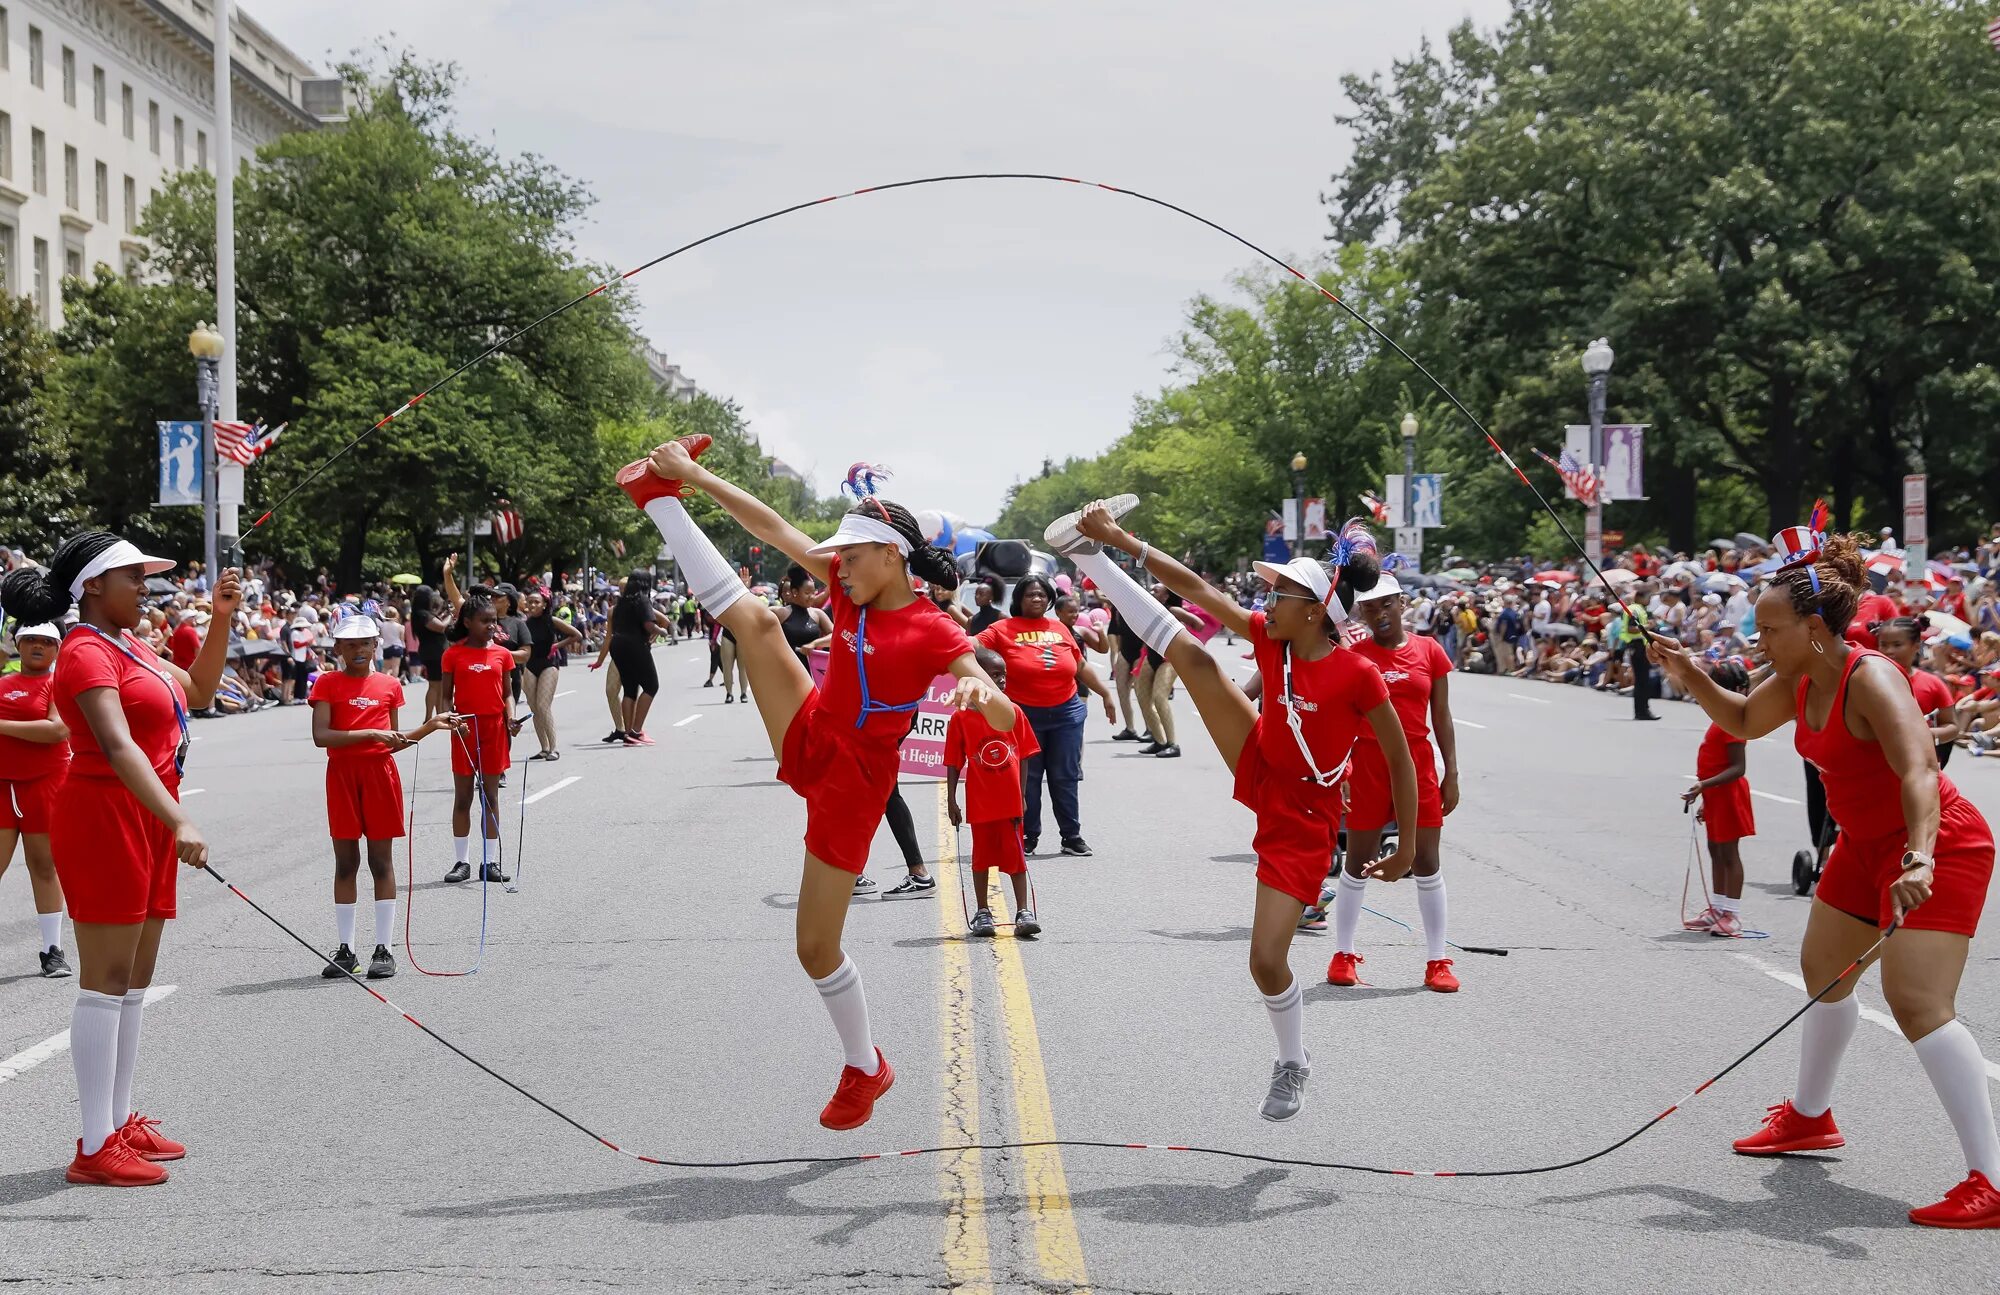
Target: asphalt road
point(643, 981)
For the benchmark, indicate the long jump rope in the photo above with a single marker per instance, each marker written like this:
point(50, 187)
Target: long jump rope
point(487, 813)
point(1296, 1162)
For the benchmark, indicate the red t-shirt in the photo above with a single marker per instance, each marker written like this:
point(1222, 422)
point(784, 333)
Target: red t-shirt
point(1041, 656)
point(478, 678)
point(1932, 692)
point(357, 702)
point(1872, 607)
point(184, 644)
point(1334, 695)
point(152, 701)
point(1714, 755)
point(26, 697)
point(907, 648)
point(1408, 671)
point(992, 763)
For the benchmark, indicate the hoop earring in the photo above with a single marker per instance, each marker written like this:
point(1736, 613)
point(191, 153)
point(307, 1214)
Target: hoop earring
point(1819, 647)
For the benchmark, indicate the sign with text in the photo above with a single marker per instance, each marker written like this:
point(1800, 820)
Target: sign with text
point(923, 748)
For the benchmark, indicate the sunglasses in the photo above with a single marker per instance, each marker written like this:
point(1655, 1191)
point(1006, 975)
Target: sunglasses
point(1304, 598)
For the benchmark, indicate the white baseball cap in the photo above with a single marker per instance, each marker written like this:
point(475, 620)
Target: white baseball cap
point(1386, 586)
point(357, 627)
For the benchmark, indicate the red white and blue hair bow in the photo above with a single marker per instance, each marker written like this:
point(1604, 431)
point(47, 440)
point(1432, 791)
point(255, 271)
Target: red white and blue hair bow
point(1354, 538)
point(863, 479)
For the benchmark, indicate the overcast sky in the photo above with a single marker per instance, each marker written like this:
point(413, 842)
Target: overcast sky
point(956, 334)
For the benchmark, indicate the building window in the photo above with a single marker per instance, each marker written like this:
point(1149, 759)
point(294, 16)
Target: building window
point(38, 161)
point(180, 145)
point(42, 281)
point(6, 55)
point(132, 263)
point(125, 108)
point(35, 66)
point(103, 177)
point(71, 198)
point(69, 76)
point(153, 127)
point(131, 206)
point(73, 262)
point(97, 94)
point(7, 253)
point(201, 149)
point(6, 147)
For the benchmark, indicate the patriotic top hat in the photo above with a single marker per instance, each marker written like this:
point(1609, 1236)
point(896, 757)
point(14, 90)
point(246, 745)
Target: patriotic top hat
point(1798, 545)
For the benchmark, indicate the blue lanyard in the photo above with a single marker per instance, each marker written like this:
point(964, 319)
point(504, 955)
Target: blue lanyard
point(868, 705)
point(173, 694)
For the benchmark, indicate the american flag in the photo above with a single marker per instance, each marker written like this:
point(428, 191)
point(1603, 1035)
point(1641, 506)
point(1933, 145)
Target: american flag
point(507, 525)
point(1581, 481)
point(1377, 507)
point(1993, 32)
point(243, 443)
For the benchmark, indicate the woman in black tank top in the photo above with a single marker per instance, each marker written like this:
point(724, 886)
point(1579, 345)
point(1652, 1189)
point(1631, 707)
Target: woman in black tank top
point(804, 622)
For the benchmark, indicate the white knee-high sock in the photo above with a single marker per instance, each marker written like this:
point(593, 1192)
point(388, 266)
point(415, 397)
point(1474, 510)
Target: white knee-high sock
point(131, 1016)
point(710, 577)
point(343, 921)
point(1952, 1059)
point(461, 848)
point(51, 927)
point(1430, 903)
point(847, 1004)
point(1288, 1021)
point(1348, 892)
point(385, 919)
point(1154, 624)
point(1823, 1039)
point(93, 1054)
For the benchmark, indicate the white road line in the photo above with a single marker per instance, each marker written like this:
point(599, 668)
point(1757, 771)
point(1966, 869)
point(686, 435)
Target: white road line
point(565, 692)
point(1465, 723)
point(680, 723)
point(553, 788)
point(1772, 795)
point(1539, 701)
point(56, 1044)
point(1874, 1015)
point(192, 791)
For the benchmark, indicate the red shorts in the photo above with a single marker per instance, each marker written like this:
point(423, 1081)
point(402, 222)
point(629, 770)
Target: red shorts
point(364, 799)
point(486, 743)
point(1726, 812)
point(998, 845)
point(1371, 806)
point(116, 862)
point(1859, 873)
point(28, 805)
point(846, 780)
point(1297, 820)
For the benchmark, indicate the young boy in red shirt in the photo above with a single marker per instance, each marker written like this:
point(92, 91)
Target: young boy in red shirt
point(354, 721)
point(992, 761)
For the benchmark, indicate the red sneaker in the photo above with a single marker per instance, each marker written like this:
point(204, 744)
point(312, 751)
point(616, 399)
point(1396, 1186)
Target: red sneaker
point(1971, 1204)
point(642, 485)
point(145, 1143)
point(1437, 975)
point(1341, 971)
point(115, 1164)
point(1786, 1131)
point(854, 1101)
point(1727, 925)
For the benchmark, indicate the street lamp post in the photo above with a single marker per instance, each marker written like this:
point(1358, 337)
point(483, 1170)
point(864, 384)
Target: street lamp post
point(206, 345)
point(1410, 487)
point(1299, 497)
point(1597, 359)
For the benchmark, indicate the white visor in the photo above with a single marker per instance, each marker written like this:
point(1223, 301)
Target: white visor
point(122, 554)
point(1386, 586)
point(857, 529)
point(1305, 571)
point(38, 632)
point(357, 627)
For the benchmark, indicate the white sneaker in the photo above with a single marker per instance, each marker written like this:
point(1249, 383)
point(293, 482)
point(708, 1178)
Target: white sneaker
point(864, 885)
point(1288, 1090)
point(1062, 535)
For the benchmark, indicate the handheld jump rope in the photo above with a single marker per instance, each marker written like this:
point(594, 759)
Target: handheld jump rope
point(1359, 318)
point(487, 813)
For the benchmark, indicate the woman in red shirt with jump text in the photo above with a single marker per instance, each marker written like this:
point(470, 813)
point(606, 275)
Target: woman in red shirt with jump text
point(1288, 759)
point(34, 757)
point(1912, 852)
point(838, 745)
point(1418, 675)
point(118, 830)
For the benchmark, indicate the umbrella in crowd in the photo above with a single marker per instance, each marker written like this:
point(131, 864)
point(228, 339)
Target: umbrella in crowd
point(160, 585)
point(1553, 578)
point(405, 578)
point(1620, 577)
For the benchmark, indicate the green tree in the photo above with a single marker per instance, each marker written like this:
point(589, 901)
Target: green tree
point(38, 482)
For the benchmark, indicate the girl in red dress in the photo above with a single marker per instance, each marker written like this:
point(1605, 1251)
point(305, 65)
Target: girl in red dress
point(838, 745)
point(1902, 641)
point(1289, 759)
point(1723, 788)
point(118, 833)
point(1418, 675)
point(34, 756)
point(1911, 851)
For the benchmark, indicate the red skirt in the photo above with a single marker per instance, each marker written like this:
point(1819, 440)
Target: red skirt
point(1726, 812)
point(116, 862)
point(364, 799)
point(1859, 873)
point(846, 779)
point(1297, 822)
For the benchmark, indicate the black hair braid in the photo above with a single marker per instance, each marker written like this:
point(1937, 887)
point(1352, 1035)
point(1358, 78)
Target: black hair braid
point(476, 598)
point(33, 596)
point(1360, 575)
point(930, 563)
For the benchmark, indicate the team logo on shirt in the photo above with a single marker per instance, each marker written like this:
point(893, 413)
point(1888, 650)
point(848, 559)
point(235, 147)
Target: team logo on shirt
point(994, 753)
point(1300, 703)
point(1394, 676)
point(847, 637)
point(363, 703)
point(479, 667)
point(17, 694)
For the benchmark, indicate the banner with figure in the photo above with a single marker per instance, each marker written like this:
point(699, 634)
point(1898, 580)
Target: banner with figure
point(180, 464)
point(1623, 472)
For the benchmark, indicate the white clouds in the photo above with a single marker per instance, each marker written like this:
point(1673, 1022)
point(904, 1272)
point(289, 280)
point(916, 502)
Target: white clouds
point(957, 334)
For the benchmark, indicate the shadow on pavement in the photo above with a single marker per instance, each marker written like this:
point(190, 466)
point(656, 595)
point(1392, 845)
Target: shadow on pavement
point(1232, 858)
point(1325, 993)
point(1806, 1206)
point(1219, 935)
point(34, 1185)
point(731, 786)
point(304, 980)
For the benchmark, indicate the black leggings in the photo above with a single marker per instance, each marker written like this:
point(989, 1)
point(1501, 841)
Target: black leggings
point(636, 671)
point(903, 826)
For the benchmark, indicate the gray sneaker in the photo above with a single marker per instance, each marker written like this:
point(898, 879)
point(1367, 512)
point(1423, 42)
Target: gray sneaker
point(982, 923)
point(1026, 927)
point(1288, 1090)
point(864, 885)
point(1062, 535)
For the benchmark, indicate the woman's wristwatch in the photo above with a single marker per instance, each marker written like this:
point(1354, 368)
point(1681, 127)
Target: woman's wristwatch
point(1913, 859)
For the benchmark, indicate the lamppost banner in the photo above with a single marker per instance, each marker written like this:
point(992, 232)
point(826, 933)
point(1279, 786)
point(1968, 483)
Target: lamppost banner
point(180, 465)
point(1427, 493)
point(1624, 468)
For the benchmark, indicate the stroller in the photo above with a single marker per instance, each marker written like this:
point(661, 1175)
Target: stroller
point(1808, 864)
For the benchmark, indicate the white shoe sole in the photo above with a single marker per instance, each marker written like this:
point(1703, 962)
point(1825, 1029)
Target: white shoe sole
point(1062, 534)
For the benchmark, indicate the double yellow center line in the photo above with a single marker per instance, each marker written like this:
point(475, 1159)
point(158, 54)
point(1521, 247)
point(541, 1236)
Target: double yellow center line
point(967, 1248)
